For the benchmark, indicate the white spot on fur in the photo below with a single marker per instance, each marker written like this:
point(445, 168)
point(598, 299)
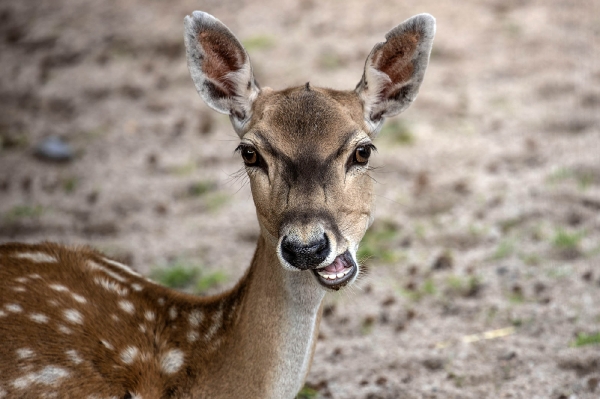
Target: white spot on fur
point(111, 286)
point(142, 328)
point(73, 355)
point(39, 257)
point(171, 361)
point(73, 316)
point(49, 375)
point(2, 313)
point(121, 266)
point(192, 336)
point(2, 393)
point(64, 329)
point(19, 289)
point(115, 317)
point(13, 307)
point(173, 313)
point(136, 287)
point(58, 287)
point(24, 353)
point(21, 280)
point(53, 302)
point(129, 354)
point(126, 306)
point(39, 318)
point(217, 321)
point(150, 316)
point(161, 301)
point(35, 276)
point(97, 266)
point(78, 298)
point(195, 318)
point(107, 345)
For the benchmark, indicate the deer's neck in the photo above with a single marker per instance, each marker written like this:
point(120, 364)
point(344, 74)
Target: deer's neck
point(273, 337)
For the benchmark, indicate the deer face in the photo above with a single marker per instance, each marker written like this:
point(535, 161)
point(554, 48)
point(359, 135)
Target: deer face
point(306, 150)
point(308, 162)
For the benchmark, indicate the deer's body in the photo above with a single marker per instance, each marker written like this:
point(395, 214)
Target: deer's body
point(75, 324)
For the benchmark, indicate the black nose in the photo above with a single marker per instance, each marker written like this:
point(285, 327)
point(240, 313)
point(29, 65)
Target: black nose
point(305, 256)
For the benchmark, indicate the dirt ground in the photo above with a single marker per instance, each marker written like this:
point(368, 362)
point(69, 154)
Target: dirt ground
point(485, 256)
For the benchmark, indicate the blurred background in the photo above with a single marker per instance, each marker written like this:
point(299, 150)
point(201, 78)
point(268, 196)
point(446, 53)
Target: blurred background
point(485, 255)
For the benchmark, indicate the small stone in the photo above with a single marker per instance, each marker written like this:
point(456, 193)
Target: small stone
point(389, 301)
point(508, 355)
point(381, 381)
point(433, 363)
point(444, 261)
point(54, 149)
point(592, 383)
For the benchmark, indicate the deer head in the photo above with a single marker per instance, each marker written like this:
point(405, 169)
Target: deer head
point(306, 149)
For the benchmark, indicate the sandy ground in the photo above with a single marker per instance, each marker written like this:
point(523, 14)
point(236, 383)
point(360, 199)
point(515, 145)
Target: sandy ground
point(485, 258)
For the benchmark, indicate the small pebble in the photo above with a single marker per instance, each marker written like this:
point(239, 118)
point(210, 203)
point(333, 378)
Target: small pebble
point(54, 149)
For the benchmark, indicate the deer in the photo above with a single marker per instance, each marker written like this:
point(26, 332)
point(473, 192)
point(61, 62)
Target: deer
point(75, 323)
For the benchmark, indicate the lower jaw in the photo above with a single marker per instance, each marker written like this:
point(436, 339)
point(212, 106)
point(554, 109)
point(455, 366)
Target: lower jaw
point(342, 281)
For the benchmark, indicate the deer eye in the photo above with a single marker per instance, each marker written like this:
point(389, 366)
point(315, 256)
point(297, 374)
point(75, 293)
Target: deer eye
point(249, 155)
point(362, 154)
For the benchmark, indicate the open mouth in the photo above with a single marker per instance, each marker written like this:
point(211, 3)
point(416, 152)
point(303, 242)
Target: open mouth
point(337, 274)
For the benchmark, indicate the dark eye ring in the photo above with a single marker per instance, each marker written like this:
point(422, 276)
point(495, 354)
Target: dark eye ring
point(250, 156)
point(362, 154)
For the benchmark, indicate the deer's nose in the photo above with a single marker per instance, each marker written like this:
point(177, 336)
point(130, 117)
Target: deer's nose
point(305, 256)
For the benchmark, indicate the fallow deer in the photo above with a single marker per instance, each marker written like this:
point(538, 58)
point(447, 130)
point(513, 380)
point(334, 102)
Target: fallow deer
point(76, 324)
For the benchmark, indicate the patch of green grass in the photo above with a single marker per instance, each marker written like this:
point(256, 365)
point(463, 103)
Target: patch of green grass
point(330, 61)
point(185, 169)
point(583, 178)
point(185, 276)
point(560, 272)
point(398, 132)
point(178, 275)
point(69, 184)
point(307, 393)
point(465, 286)
point(216, 201)
point(516, 297)
point(367, 325)
point(584, 339)
point(531, 259)
point(24, 212)
point(259, 42)
point(504, 250)
point(209, 280)
point(378, 243)
point(200, 188)
point(559, 175)
point(565, 240)
point(429, 287)
point(420, 230)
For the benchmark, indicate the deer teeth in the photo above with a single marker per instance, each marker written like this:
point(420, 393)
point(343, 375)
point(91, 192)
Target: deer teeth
point(334, 276)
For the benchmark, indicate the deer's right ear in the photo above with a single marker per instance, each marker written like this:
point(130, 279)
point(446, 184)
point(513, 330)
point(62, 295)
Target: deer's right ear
point(220, 68)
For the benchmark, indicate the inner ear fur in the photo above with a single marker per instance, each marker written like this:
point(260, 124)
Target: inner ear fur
point(395, 69)
point(220, 68)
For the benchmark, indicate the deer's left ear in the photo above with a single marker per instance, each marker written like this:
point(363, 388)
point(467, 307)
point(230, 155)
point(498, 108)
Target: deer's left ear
point(220, 68)
point(394, 70)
